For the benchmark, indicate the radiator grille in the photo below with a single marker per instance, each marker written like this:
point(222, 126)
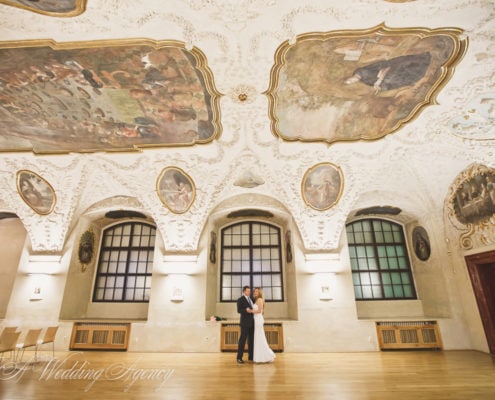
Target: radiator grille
point(119, 337)
point(81, 336)
point(100, 336)
point(230, 336)
point(396, 335)
point(429, 335)
point(408, 336)
point(388, 336)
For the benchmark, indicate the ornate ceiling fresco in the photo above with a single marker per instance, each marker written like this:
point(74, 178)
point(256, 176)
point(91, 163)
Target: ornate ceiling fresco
point(123, 95)
point(352, 85)
point(105, 96)
point(115, 104)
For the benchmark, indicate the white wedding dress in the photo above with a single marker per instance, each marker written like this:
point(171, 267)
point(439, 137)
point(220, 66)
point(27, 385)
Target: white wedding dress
point(262, 352)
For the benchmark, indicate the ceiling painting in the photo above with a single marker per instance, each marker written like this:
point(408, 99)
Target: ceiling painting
point(470, 205)
point(322, 186)
point(61, 8)
point(473, 199)
point(176, 189)
point(365, 84)
point(105, 96)
point(36, 192)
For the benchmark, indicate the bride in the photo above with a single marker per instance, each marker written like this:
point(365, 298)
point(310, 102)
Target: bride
point(262, 352)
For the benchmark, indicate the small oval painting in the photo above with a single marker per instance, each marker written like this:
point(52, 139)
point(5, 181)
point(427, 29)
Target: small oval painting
point(36, 192)
point(421, 243)
point(176, 190)
point(322, 186)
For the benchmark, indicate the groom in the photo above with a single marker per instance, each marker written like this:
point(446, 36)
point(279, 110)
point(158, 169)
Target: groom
point(245, 308)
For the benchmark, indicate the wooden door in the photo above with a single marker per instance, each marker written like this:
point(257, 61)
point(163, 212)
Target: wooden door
point(481, 269)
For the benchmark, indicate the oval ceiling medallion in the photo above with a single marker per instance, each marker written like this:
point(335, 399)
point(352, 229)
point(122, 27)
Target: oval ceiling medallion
point(36, 192)
point(176, 190)
point(322, 186)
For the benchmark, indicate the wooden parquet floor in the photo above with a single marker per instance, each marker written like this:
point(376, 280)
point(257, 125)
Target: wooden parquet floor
point(453, 375)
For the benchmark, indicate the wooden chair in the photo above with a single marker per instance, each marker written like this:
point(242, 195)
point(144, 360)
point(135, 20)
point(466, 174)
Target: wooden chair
point(31, 340)
point(7, 329)
point(9, 343)
point(49, 337)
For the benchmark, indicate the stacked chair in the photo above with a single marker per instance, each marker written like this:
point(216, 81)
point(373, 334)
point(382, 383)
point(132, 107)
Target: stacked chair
point(30, 340)
point(9, 341)
point(49, 337)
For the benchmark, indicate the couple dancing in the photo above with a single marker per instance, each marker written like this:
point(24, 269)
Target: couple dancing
point(252, 327)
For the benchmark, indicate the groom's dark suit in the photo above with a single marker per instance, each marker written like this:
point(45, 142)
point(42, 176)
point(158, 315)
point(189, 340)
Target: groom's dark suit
point(247, 328)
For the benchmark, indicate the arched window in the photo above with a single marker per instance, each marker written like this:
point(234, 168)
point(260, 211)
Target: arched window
point(125, 263)
point(379, 261)
point(251, 255)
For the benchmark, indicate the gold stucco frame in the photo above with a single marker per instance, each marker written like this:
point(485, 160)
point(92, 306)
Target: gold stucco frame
point(327, 204)
point(22, 192)
point(168, 201)
point(380, 31)
point(201, 65)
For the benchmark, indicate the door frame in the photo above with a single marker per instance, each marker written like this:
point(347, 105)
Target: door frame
point(487, 310)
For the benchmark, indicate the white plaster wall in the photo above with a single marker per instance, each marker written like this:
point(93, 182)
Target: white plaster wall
point(176, 316)
point(322, 324)
point(37, 294)
point(13, 239)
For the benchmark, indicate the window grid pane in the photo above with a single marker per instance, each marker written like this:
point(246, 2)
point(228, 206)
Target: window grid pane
point(251, 255)
point(125, 264)
point(377, 250)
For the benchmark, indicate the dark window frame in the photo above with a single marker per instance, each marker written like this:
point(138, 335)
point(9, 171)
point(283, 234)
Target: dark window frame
point(236, 291)
point(378, 263)
point(145, 257)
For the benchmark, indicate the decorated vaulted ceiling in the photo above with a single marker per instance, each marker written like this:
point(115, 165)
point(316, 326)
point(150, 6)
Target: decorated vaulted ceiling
point(316, 109)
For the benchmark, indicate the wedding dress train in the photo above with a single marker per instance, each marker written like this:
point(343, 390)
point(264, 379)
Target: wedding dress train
point(262, 352)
